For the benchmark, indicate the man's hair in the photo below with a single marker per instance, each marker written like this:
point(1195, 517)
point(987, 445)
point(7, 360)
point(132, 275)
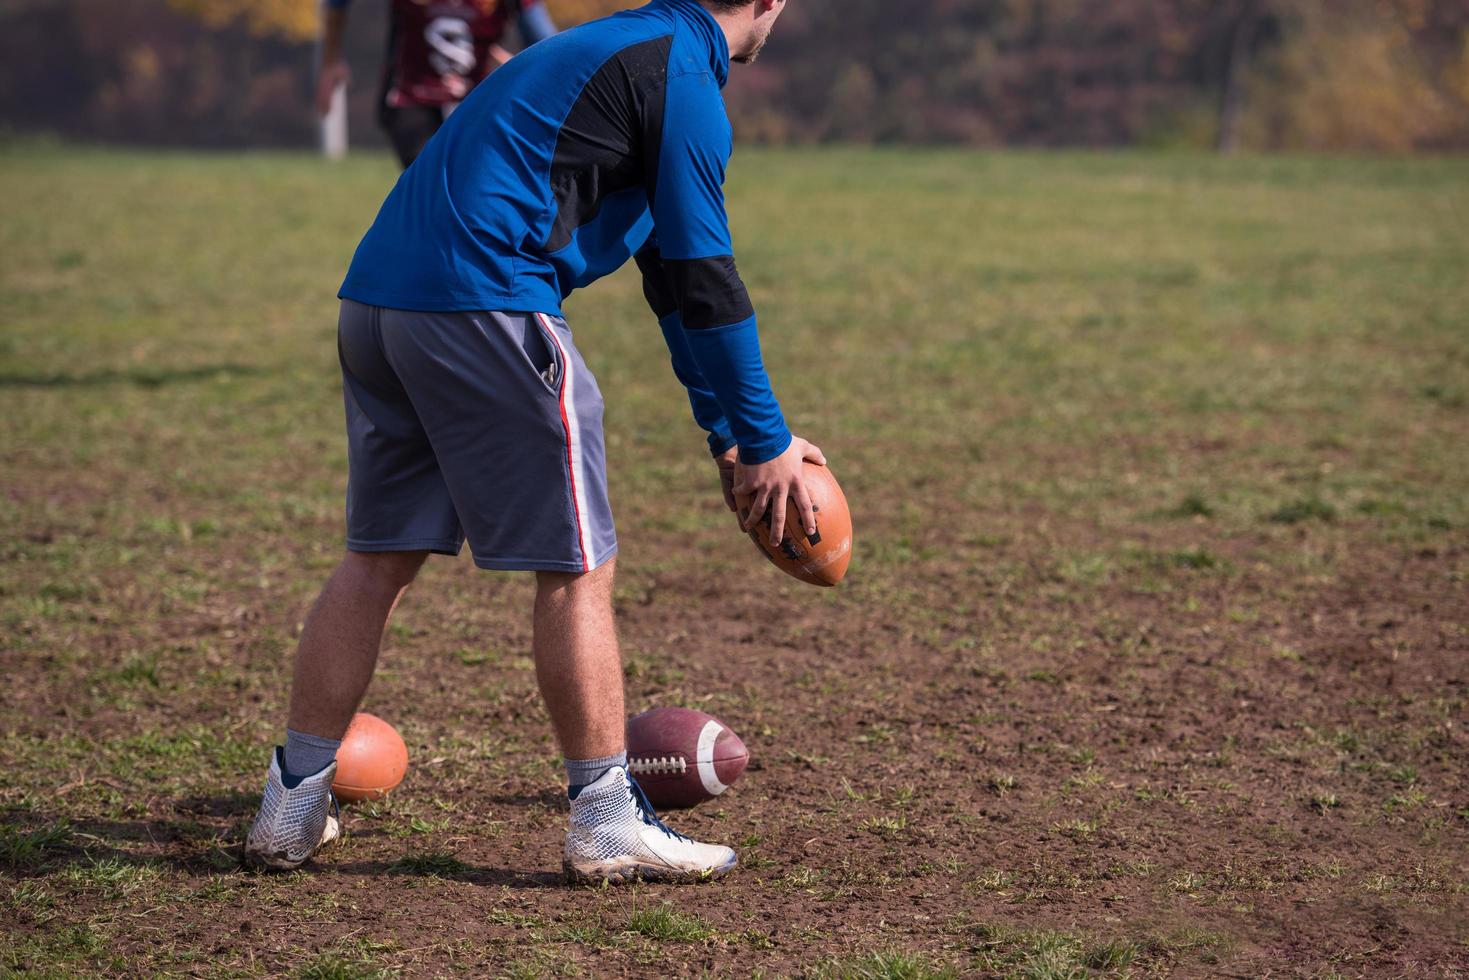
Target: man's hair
point(726, 4)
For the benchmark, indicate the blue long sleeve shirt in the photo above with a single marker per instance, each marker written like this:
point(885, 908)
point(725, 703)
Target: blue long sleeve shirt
point(603, 142)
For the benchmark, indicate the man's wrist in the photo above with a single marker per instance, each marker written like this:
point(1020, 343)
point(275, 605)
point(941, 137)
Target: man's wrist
point(763, 451)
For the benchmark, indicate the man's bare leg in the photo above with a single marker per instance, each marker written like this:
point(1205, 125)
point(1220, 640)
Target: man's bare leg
point(578, 662)
point(614, 834)
point(334, 663)
point(344, 631)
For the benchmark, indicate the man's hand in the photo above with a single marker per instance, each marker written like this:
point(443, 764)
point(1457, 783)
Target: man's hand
point(775, 481)
point(332, 74)
point(726, 463)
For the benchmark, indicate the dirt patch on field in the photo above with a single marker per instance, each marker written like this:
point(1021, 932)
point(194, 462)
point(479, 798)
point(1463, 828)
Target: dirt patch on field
point(1152, 658)
point(1223, 771)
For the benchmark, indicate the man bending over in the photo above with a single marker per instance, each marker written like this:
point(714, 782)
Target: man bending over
point(471, 415)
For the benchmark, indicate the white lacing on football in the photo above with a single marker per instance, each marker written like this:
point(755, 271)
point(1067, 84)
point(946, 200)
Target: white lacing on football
point(657, 766)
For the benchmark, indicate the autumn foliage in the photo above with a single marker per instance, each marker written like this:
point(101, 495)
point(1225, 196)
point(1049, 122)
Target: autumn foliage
point(297, 19)
point(291, 19)
point(1375, 75)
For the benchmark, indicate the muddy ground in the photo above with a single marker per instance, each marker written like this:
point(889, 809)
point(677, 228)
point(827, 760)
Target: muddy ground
point(1153, 658)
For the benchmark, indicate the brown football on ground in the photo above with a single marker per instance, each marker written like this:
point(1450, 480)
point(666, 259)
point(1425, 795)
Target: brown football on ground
point(681, 757)
point(822, 558)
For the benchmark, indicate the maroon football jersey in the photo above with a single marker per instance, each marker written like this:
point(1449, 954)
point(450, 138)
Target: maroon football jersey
point(441, 48)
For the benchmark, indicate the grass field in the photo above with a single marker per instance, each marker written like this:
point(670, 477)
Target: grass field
point(1153, 658)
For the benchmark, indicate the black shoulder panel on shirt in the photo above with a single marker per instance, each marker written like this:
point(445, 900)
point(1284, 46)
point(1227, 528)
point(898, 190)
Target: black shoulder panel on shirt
point(610, 139)
point(708, 291)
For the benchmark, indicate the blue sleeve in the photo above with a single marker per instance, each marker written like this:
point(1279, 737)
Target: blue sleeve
point(729, 358)
point(688, 193)
point(535, 23)
point(707, 413)
point(693, 243)
point(659, 293)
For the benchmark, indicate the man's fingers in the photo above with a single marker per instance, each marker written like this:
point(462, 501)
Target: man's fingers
point(778, 517)
point(726, 484)
point(757, 510)
point(804, 508)
point(773, 485)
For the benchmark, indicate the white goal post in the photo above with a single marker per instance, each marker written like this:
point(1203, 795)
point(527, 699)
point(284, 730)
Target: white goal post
point(334, 126)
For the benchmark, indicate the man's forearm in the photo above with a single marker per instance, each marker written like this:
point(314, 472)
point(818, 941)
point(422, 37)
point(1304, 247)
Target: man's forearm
point(729, 359)
point(661, 299)
point(707, 413)
point(709, 325)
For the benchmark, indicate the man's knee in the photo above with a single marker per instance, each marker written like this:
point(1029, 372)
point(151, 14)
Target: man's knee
point(572, 586)
point(391, 571)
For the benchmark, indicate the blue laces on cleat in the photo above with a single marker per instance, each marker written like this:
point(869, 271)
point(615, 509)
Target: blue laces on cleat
point(648, 814)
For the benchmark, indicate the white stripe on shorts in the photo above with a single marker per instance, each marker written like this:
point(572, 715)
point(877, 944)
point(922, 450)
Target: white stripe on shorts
point(573, 443)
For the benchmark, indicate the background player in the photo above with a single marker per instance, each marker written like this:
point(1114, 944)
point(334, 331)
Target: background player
point(471, 414)
point(438, 50)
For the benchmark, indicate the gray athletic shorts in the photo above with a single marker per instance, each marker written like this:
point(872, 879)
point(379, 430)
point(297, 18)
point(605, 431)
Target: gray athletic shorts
point(486, 426)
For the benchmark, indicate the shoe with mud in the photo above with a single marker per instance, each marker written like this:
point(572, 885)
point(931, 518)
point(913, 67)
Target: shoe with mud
point(295, 823)
point(616, 837)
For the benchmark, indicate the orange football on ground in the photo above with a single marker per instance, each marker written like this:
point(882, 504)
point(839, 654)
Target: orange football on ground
point(371, 760)
point(821, 559)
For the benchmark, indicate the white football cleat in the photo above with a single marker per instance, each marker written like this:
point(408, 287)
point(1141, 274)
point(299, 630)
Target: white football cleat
point(294, 823)
point(616, 836)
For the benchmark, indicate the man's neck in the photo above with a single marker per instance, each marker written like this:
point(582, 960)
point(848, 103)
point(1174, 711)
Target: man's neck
point(733, 23)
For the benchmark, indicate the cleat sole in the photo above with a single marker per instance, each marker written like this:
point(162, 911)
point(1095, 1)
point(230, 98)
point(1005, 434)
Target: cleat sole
point(630, 874)
point(280, 860)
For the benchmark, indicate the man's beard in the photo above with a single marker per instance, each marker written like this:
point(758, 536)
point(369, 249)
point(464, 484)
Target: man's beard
point(749, 57)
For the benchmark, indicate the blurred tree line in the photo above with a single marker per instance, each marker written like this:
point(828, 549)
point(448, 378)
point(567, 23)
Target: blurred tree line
point(1381, 75)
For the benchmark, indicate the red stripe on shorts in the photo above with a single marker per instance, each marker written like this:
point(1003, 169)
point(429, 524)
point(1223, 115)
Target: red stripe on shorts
point(586, 559)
